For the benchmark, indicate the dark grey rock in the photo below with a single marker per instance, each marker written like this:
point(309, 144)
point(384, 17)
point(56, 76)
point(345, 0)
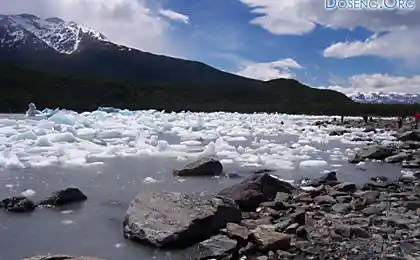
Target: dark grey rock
point(346, 187)
point(292, 228)
point(379, 178)
point(64, 197)
point(359, 232)
point(338, 132)
point(342, 208)
point(375, 209)
point(410, 136)
point(374, 152)
point(329, 178)
point(370, 197)
point(413, 205)
point(258, 188)
point(400, 157)
point(282, 196)
point(216, 247)
point(302, 232)
point(206, 166)
point(325, 199)
point(174, 220)
point(358, 203)
point(17, 204)
point(275, 205)
point(299, 218)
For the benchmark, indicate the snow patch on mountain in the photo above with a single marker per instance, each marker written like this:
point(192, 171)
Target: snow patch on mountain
point(62, 36)
point(385, 98)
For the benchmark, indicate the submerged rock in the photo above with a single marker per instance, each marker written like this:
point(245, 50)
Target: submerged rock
point(62, 257)
point(254, 190)
point(374, 152)
point(205, 166)
point(64, 197)
point(17, 204)
point(174, 220)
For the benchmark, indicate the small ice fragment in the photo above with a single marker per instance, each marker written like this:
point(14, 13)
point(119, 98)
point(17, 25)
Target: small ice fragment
point(9, 186)
point(149, 180)
point(119, 245)
point(67, 212)
point(67, 222)
point(28, 193)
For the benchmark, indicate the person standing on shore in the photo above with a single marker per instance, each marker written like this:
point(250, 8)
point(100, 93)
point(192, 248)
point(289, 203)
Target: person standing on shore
point(417, 119)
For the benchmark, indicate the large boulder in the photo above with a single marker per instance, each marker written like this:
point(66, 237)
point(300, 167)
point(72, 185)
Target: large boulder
point(17, 204)
point(175, 220)
point(254, 190)
point(206, 166)
point(63, 197)
point(374, 152)
point(410, 136)
point(61, 257)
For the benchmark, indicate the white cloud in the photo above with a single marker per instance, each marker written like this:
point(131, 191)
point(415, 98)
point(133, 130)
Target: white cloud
point(174, 15)
point(127, 22)
point(380, 83)
point(297, 17)
point(270, 70)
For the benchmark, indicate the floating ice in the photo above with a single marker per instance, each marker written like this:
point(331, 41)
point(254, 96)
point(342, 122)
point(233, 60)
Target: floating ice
point(28, 193)
point(149, 180)
point(313, 163)
point(67, 222)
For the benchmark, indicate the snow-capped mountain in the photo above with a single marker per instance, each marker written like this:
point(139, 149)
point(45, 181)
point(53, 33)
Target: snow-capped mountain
point(18, 31)
point(385, 98)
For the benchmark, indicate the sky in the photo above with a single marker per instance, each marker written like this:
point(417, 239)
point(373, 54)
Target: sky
point(345, 50)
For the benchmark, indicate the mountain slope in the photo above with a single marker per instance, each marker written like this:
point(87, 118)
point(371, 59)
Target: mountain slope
point(385, 98)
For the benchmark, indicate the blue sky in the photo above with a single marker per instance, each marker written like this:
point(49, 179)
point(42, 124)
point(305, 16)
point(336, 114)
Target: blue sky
point(344, 50)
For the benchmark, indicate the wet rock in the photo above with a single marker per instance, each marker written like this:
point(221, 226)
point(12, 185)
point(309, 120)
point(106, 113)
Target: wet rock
point(358, 203)
point(379, 178)
point(416, 233)
point(412, 164)
point(344, 199)
point(400, 157)
point(374, 152)
point(325, 199)
point(329, 178)
point(236, 231)
point(258, 188)
point(346, 187)
point(64, 197)
point(275, 205)
point(215, 247)
point(410, 136)
point(282, 196)
point(302, 232)
point(342, 230)
point(342, 208)
point(299, 218)
point(17, 204)
point(292, 228)
point(338, 132)
point(206, 166)
point(369, 129)
point(174, 220)
point(358, 232)
point(254, 223)
point(61, 257)
point(270, 240)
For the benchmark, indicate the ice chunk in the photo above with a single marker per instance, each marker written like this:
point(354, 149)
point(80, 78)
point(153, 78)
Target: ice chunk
point(28, 193)
point(149, 180)
point(162, 145)
point(43, 142)
point(313, 163)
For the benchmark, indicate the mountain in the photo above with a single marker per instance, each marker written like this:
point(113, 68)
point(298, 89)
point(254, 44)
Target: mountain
point(65, 59)
point(385, 98)
point(54, 45)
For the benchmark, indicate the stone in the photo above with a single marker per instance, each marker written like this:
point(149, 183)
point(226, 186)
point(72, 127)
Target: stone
point(236, 231)
point(358, 203)
point(410, 136)
point(303, 197)
point(61, 257)
point(338, 132)
point(413, 205)
point(302, 232)
point(343, 230)
point(369, 129)
point(275, 205)
point(63, 197)
point(17, 204)
point(254, 190)
point(325, 199)
point(216, 247)
point(270, 240)
point(374, 152)
point(299, 218)
point(292, 228)
point(329, 178)
point(205, 166)
point(375, 209)
point(416, 233)
point(379, 178)
point(370, 197)
point(282, 196)
point(344, 199)
point(342, 208)
point(346, 187)
point(356, 231)
point(175, 220)
point(400, 157)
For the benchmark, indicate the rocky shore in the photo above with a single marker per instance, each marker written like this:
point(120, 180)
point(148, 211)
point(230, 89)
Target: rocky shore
point(265, 218)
